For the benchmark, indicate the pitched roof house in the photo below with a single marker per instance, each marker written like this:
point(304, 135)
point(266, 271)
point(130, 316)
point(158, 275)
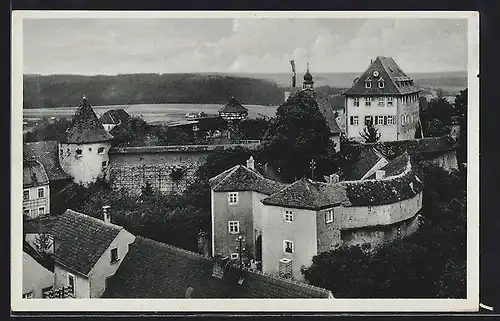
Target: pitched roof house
point(36, 191)
point(38, 276)
point(46, 152)
point(112, 118)
point(87, 251)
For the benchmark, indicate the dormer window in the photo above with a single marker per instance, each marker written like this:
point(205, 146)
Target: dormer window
point(381, 83)
point(368, 84)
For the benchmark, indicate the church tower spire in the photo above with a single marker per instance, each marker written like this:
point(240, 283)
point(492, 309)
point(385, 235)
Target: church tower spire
point(308, 83)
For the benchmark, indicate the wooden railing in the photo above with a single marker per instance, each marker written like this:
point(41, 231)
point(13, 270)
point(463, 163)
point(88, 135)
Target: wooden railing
point(59, 293)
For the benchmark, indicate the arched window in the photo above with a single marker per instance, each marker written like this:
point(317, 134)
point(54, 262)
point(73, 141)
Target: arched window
point(381, 83)
point(100, 150)
point(368, 84)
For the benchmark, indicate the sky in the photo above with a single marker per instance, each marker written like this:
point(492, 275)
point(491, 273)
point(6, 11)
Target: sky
point(175, 45)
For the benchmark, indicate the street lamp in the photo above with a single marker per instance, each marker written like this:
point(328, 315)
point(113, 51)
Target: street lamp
point(240, 239)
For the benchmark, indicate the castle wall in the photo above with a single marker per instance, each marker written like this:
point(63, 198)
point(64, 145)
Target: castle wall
point(87, 166)
point(408, 116)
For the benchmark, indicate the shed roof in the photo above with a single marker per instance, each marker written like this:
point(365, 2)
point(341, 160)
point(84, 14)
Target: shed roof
point(83, 240)
point(156, 270)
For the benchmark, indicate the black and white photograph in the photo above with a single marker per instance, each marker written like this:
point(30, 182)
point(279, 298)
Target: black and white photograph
point(272, 156)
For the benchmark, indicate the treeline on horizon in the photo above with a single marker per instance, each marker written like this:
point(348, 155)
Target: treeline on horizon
point(67, 90)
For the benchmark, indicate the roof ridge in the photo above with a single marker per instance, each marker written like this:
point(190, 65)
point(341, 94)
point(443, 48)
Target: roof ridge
point(227, 171)
point(172, 247)
point(385, 179)
point(387, 72)
point(111, 225)
point(235, 167)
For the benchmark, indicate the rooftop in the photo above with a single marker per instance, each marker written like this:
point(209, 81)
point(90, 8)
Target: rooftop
point(233, 106)
point(115, 116)
point(241, 178)
point(367, 159)
point(46, 153)
point(385, 69)
point(34, 174)
point(156, 270)
point(325, 107)
point(83, 240)
point(179, 148)
point(86, 127)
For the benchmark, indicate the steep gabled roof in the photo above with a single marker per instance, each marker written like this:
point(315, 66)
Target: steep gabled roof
point(233, 106)
point(241, 178)
point(86, 127)
point(34, 174)
point(115, 116)
point(310, 195)
point(156, 270)
point(392, 75)
point(82, 240)
point(368, 158)
point(46, 153)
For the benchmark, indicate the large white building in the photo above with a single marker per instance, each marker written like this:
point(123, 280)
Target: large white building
point(385, 96)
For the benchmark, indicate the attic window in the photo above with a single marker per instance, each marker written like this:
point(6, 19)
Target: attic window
point(381, 83)
point(368, 84)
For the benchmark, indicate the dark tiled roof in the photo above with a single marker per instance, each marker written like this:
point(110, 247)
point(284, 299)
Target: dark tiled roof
point(157, 270)
point(307, 194)
point(86, 127)
point(241, 178)
point(42, 259)
point(390, 72)
point(388, 190)
point(115, 116)
point(368, 157)
point(325, 107)
point(46, 153)
point(233, 106)
point(83, 240)
point(34, 174)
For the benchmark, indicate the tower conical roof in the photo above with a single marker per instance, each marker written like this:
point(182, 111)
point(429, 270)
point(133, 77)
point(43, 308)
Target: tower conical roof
point(86, 127)
point(233, 106)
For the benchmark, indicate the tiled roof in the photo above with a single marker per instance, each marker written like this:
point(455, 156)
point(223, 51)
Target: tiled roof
point(42, 259)
point(233, 106)
point(85, 127)
point(46, 153)
point(34, 174)
point(368, 157)
point(115, 116)
point(241, 178)
point(390, 189)
point(308, 194)
point(83, 240)
point(325, 107)
point(389, 72)
point(156, 270)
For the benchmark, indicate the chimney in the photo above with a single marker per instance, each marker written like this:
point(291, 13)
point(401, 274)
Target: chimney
point(106, 213)
point(219, 266)
point(203, 246)
point(334, 178)
point(379, 174)
point(251, 163)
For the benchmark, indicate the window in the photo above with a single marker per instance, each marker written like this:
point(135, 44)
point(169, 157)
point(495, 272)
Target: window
point(41, 210)
point(61, 152)
point(389, 101)
point(403, 119)
point(114, 255)
point(390, 120)
point(368, 101)
point(329, 216)
point(26, 211)
point(381, 84)
point(379, 120)
point(356, 102)
point(234, 227)
point(26, 195)
point(234, 256)
point(41, 192)
point(104, 164)
point(368, 120)
point(381, 101)
point(368, 84)
point(71, 282)
point(28, 295)
point(233, 197)
point(79, 153)
point(354, 120)
point(100, 150)
point(288, 216)
point(288, 246)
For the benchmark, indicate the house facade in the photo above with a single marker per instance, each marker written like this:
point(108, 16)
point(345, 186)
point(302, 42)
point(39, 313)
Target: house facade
point(36, 189)
point(385, 97)
point(38, 277)
point(87, 252)
point(113, 118)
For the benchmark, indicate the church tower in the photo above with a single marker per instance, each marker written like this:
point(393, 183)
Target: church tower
point(308, 83)
point(83, 153)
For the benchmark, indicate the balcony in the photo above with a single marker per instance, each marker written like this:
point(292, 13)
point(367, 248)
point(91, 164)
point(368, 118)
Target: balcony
point(36, 202)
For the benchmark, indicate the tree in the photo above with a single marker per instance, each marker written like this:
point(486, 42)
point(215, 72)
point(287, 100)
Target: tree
point(43, 242)
point(48, 130)
point(130, 133)
point(437, 117)
point(370, 134)
point(297, 135)
point(252, 128)
point(461, 112)
point(165, 136)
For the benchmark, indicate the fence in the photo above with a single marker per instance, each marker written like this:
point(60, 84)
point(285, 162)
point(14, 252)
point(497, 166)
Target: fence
point(59, 293)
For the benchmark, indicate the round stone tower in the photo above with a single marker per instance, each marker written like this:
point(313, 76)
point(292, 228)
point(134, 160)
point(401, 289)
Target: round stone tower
point(83, 153)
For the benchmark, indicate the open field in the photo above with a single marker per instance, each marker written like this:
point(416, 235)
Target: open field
point(151, 113)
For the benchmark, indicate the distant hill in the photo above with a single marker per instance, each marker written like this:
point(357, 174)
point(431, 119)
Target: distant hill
point(249, 88)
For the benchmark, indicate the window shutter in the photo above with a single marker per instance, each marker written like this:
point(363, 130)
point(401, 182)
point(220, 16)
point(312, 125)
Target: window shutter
point(385, 120)
point(352, 120)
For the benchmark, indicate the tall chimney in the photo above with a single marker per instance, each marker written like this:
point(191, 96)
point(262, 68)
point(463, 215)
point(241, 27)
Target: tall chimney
point(251, 163)
point(106, 213)
point(379, 174)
